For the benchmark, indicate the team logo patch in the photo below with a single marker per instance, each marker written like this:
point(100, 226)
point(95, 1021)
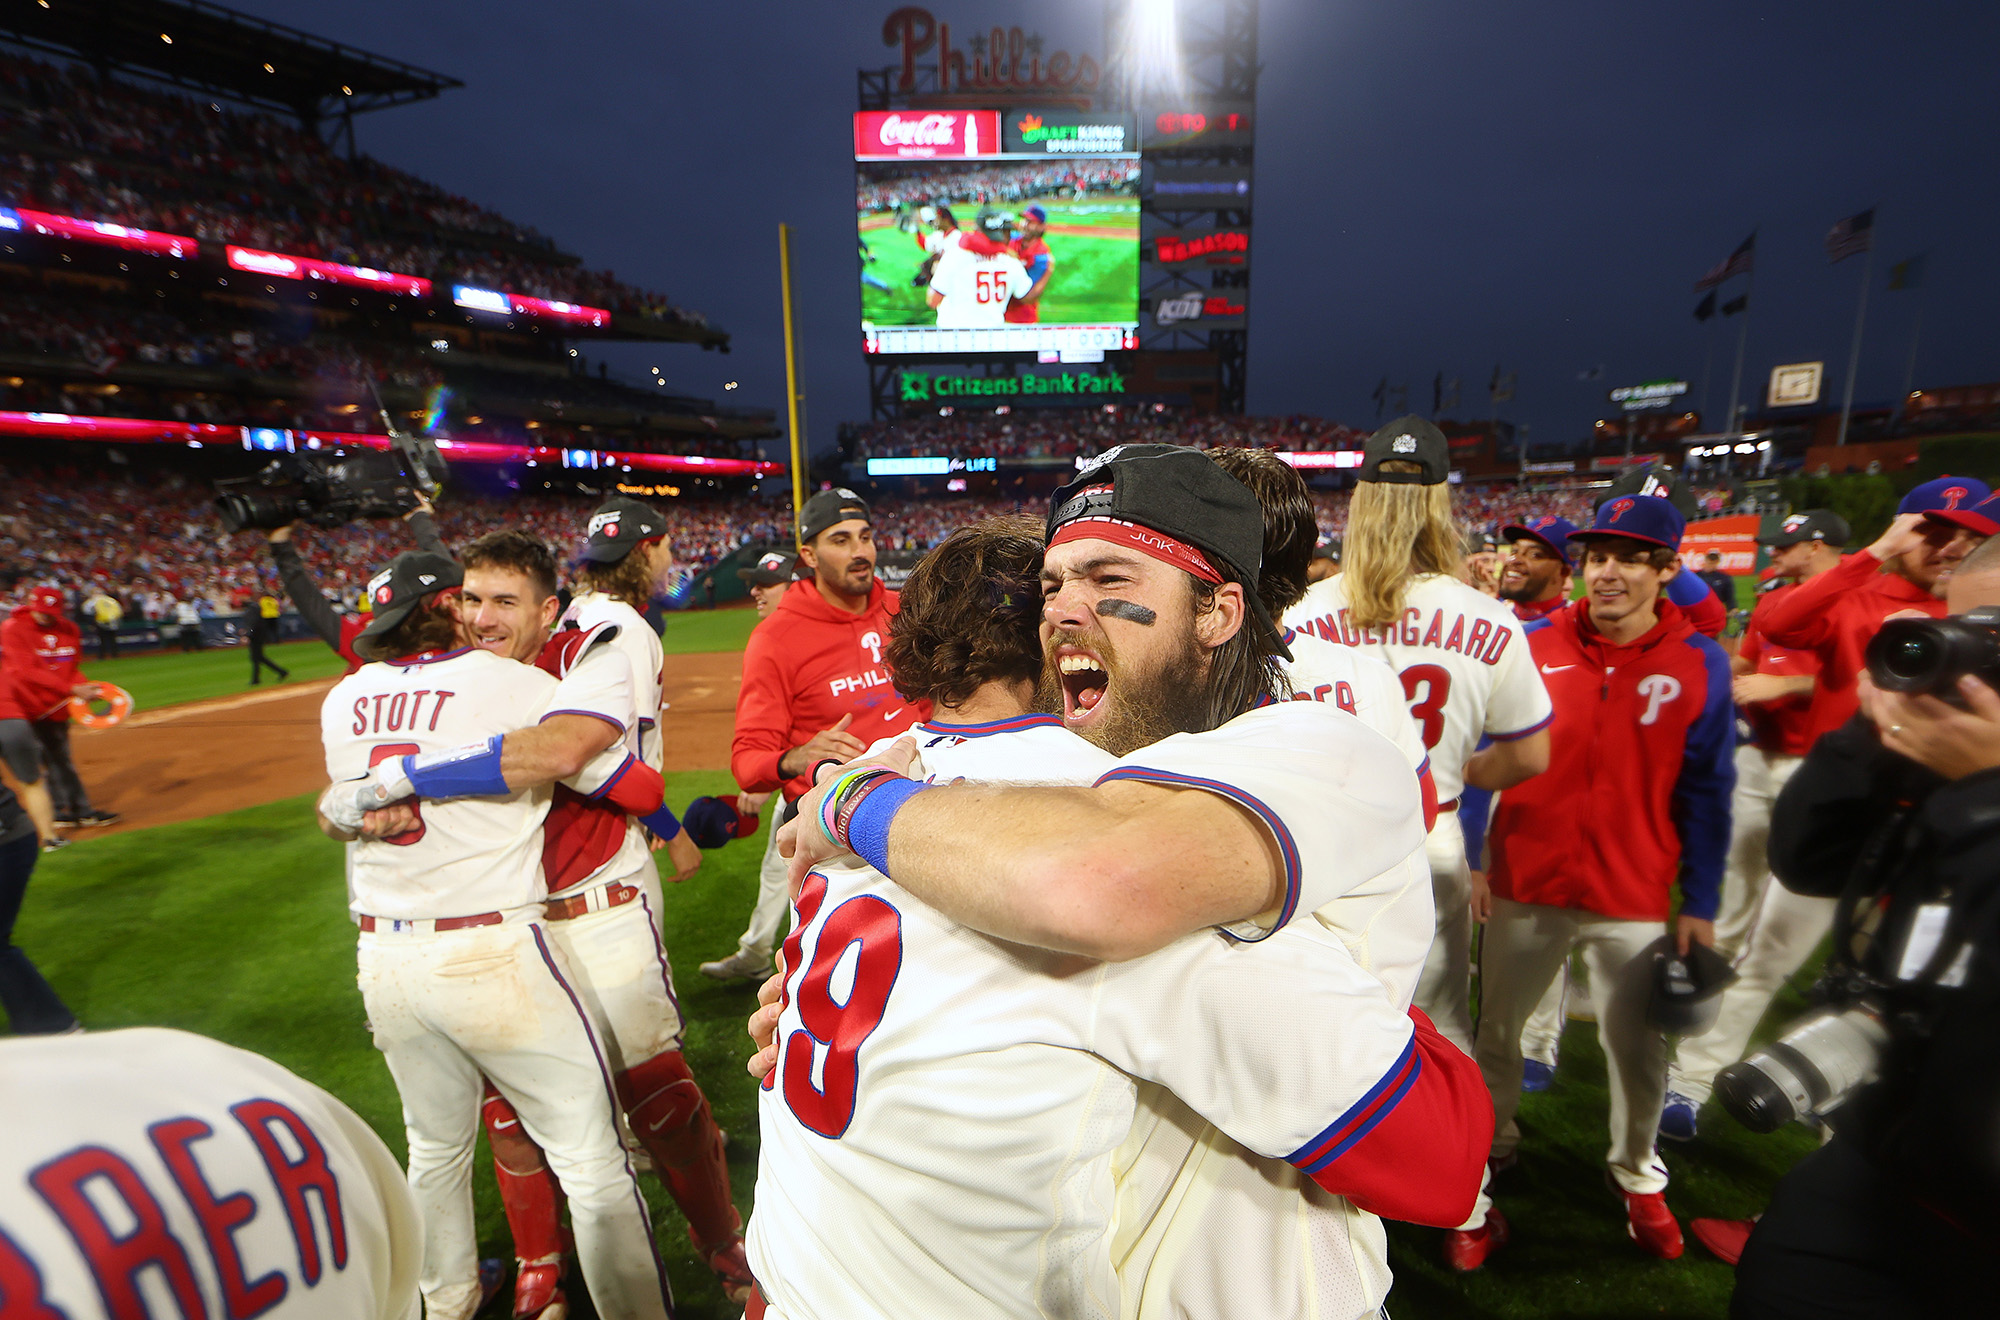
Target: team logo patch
point(604, 522)
point(379, 581)
point(846, 494)
point(1796, 521)
point(1619, 508)
point(1403, 444)
point(1953, 494)
point(427, 578)
point(383, 595)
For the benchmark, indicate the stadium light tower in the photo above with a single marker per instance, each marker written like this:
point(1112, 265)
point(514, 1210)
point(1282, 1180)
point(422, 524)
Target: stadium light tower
point(1148, 46)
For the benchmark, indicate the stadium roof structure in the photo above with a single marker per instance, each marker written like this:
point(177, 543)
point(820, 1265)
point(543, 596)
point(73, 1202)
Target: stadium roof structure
point(221, 52)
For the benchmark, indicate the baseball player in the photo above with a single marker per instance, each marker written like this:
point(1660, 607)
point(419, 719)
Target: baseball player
point(152, 1172)
point(39, 649)
point(458, 972)
point(814, 687)
point(1535, 577)
point(604, 890)
point(886, 1131)
point(1835, 614)
point(1635, 800)
point(1464, 668)
point(767, 580)
point(1770, 930)
point(1030, 246)
point(31, 1004)
point(971, 290)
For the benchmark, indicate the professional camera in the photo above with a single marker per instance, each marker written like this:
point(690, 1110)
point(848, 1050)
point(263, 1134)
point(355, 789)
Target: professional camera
point(330, 492)
point(1931, 655)
point(1816, 1066)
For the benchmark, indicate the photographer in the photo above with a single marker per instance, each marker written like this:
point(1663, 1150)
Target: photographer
point(1897, 813)
point(339, 630)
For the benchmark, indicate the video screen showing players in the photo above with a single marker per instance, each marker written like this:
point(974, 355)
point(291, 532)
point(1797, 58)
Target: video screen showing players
point(998, 255)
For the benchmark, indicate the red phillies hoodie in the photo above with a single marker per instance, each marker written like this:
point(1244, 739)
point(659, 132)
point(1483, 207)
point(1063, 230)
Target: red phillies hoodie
point(1641, 766)
point(805, 667)
point(1833, 616)
point(37, 665)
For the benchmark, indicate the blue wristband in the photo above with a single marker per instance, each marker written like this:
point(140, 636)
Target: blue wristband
point(469, 771)
point(663, 823)
point(868, 828)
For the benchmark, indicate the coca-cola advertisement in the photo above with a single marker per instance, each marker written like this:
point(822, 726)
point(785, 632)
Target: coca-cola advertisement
point(925, 134)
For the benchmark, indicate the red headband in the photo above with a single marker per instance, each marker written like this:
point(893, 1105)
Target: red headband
point(1145, 540)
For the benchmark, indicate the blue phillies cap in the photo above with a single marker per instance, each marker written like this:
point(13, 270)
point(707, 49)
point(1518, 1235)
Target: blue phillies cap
point(1551, 531)
point(1945, 493)
point(714, 821)
point(1036, 213)
point(1982, 519)
point(1646, 518)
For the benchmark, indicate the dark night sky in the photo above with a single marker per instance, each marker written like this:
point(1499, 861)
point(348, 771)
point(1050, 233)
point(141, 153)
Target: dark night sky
point(1441, 185)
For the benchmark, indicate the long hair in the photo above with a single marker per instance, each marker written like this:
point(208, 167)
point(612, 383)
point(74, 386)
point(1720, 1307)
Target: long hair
point(1290, 527)
point(1395, 532)
point(970, 613)
point(1242, 673)
point(431, 626)
point(629, 580)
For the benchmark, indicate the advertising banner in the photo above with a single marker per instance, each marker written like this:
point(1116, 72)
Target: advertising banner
point(1735, 537)
point(1200, 187)
point(1068, 133)
point(925, 134)
point(311, 268)
point(100, 232)
point(1200, 247)
point(924, 387)
point(1216, 124)
point(1201, 309)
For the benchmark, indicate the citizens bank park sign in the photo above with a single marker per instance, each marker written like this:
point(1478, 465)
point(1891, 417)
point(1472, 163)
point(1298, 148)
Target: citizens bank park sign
point(925, 387)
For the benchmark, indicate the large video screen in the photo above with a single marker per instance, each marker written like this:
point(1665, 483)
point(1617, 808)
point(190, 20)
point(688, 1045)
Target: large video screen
point(975, 256)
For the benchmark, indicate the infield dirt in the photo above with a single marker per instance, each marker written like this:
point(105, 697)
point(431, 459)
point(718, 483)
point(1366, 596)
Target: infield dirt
point(208, 757)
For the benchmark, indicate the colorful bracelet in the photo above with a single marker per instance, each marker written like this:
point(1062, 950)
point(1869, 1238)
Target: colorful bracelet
point(836, 792)
point(871, 811)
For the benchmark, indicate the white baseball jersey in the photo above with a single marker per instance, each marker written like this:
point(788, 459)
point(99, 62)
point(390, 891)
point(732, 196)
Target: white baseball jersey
point(1464, 665)
point(1359, 684)
point(641, 648)
point(634, 655)
point(469, 855)
point(977, 289)
point(939, 1129)
point(154, 1172)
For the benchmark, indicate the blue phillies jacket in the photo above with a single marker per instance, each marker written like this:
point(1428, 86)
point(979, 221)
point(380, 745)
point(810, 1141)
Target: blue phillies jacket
point(1641, 768)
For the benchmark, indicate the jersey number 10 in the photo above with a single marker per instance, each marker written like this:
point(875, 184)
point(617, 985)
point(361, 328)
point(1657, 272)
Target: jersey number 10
point(875, 931)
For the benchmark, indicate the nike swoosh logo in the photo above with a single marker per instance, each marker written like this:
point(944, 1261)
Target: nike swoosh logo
point(1556, 669)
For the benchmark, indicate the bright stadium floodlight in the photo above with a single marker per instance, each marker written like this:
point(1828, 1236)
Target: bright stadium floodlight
point(1153, 48)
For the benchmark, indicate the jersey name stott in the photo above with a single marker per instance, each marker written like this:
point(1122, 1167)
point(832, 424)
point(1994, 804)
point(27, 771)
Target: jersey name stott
point(393, 712)
point(861, 682)
point(91, 1188)
point(1481, 641)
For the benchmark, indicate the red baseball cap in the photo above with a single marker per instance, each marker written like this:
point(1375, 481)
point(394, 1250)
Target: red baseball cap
point(1982, 519)
point(45, 600)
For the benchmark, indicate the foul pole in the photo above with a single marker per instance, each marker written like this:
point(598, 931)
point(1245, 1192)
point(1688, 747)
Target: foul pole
point(792, 380)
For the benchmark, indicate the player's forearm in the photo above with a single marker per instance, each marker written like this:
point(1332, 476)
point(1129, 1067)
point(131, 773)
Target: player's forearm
point(557, 748)
point(1505, 764)
point(1111, 873)
point(1800, 618)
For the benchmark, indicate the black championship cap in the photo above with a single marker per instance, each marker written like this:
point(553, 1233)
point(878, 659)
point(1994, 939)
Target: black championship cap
point(1176, 505)
point(770, 570)
point(823, 510)
point(1407, 440)
point(1328, 549)
point(395, 591)
point(617, 526)
point(1683, 995)
point(1812, 525)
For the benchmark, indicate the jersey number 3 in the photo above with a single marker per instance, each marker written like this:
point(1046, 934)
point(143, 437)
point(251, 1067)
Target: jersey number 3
point(1435, 680)
point(839, 1025)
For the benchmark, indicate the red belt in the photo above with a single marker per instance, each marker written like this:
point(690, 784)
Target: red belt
point(442, 923)
point(1443, 807)
point(562, 909)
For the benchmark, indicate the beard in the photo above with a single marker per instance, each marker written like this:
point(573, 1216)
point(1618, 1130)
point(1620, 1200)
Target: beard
point(1139, 707)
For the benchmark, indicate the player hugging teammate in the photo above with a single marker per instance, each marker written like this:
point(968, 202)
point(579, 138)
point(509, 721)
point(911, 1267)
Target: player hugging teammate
point(503, 784)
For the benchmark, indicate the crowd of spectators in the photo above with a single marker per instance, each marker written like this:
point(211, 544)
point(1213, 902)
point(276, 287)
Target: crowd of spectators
point(890, 187)
point(1030, 433)
point(73, 143)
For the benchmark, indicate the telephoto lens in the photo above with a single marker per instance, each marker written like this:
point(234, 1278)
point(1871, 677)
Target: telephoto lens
point(1810, 1071)
point(1931, 655)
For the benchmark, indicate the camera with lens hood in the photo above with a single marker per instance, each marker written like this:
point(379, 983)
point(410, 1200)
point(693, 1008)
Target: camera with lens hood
point(331, 491)
point(1929, 656)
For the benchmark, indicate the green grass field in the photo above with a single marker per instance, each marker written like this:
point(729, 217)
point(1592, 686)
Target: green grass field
point(149, 927)
point(1095, 276)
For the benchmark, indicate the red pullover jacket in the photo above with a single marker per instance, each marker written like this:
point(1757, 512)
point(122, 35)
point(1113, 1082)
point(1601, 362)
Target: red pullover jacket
point(805, 667)
point(37, 665)
point(1833, 616)
point(1641, 766)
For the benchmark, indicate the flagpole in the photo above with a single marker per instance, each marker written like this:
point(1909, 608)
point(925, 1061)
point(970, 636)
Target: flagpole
point(1707, 362)
point(1742, 340)
point(1910, 368)
point(792, 380)
point(1854, 350)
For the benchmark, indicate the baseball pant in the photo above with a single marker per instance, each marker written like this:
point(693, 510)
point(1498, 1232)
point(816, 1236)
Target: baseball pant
point(499, 1000)
point(1541, 1038)
point(774, 898)
point(1444, 991)
point(33, 1007)
point(619, 966)
point(261, 635)
point(1760, 775)
point(66, 789)
point(107, 642)
point(1522, 952)
point(1786, 929)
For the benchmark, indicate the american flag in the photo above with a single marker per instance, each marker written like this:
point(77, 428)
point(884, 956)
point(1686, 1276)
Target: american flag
point(1853, 235)
point(1736, 263)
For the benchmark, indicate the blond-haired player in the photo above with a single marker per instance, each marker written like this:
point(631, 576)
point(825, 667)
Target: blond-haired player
point(1464, 666)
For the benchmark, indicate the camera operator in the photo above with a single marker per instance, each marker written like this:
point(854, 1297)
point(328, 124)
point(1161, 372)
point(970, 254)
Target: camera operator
point(339, 630)
point(1898, 814)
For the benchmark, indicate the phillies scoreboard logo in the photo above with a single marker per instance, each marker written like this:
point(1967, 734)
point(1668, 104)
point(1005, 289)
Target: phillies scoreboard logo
point(1004, 61)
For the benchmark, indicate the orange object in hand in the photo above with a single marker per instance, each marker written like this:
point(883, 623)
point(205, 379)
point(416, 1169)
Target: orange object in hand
point(117, 700)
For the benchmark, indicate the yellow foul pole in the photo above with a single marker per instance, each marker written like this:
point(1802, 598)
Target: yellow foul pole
point(792, 380)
